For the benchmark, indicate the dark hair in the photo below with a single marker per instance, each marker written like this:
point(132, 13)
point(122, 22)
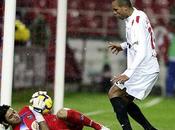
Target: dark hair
point(124, 3)
point(3, 111)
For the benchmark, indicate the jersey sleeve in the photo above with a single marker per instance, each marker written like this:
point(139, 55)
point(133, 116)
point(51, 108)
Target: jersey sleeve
point(140, 46)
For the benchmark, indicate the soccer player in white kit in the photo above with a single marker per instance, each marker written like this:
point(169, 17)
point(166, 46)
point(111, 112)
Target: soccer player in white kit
point(142, 65)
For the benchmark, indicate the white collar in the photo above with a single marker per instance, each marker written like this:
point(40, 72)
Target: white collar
point(132, 15)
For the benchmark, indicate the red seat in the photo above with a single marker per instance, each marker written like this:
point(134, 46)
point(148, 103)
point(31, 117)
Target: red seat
point(29, 17)
point(1, 9)
point(103, 6)
point(74, 22)
point(75, 4)
point(73, 19)
point(89, 5)
point(48, 4)
point(93, 21)
point(112, 26)
point(24, 3)
point(112, 22)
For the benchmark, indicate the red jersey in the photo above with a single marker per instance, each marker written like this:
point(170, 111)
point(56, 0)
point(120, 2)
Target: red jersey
point(29, 122)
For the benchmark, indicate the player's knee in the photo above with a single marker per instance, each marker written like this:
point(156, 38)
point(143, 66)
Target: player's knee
point(62, 113)
point(114, 92)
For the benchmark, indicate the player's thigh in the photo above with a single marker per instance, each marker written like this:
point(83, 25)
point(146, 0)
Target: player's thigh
point(128, 98)
point(115, 91)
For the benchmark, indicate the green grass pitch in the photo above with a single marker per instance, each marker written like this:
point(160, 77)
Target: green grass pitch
point(160, 111)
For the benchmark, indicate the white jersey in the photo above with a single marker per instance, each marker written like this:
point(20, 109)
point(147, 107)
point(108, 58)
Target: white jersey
point(140, 45)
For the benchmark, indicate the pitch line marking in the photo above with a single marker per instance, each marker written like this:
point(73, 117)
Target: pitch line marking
point(95, 112)
point(153, 102)
point(148, 104)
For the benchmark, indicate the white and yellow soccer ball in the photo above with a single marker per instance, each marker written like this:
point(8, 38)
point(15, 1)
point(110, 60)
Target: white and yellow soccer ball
point(48, 103)
point(42, 101)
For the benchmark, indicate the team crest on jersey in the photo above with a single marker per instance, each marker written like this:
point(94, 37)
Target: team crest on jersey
point(35, 126)
point(30, 117)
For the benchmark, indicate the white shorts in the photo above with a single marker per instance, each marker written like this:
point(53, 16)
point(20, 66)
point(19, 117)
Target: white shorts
point(139, 85)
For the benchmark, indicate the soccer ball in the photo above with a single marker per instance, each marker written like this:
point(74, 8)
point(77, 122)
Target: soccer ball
point(48, 103)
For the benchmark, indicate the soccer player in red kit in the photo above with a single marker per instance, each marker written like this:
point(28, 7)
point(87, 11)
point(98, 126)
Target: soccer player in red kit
point(70, 119)
point(31, 119)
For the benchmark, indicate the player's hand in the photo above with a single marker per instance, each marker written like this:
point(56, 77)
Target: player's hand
point(120, 79)
point(36, 94)
point(39, 117)
point(115, 48)
point(38, 105)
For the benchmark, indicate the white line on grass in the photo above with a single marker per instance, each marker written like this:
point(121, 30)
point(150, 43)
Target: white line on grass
point(95, 112)
point(148, 104)
point(153, 102)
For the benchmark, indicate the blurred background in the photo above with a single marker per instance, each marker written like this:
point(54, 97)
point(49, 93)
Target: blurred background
point(89, 66)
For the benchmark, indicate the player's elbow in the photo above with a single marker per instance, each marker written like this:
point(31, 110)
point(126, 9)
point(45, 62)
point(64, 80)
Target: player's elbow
point(62, 114)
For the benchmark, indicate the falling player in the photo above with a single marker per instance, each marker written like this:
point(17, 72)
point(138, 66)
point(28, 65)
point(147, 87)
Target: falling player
point(31, 118)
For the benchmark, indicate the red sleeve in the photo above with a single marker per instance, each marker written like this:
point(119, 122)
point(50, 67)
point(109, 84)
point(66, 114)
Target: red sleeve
point(27, 120)
point(54, 123)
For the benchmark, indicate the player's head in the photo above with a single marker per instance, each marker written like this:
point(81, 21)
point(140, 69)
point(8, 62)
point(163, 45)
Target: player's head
point(121, 8)
point(8, 116)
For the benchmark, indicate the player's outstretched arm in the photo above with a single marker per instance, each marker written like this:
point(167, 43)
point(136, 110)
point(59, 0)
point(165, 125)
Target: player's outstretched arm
point(115, 48)
point(37, 108)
